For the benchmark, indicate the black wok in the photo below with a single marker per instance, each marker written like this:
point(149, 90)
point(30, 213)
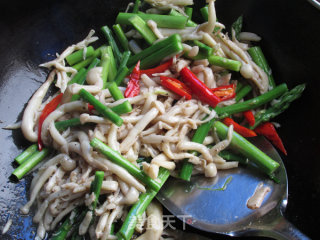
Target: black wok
point(31, 32)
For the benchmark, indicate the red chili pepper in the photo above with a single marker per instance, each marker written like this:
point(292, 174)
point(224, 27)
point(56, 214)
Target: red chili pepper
point(133, 88)
point(49, 108)
point(268, 130)
point(243, 131)
point(248, 115)
point(225, 92)
point(198, 88)
point(90, 108)
point(163, 67)
point(176, 86)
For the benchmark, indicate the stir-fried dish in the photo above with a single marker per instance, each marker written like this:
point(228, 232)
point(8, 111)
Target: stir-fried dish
point(162, 96)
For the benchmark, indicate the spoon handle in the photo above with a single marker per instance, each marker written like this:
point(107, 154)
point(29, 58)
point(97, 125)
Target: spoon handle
point(282, 230)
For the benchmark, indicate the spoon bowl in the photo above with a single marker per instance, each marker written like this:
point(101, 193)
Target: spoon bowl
point(219, 204)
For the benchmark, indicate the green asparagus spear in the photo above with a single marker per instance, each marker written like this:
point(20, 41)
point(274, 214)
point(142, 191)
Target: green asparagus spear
point(239, 143)
point(30, 163)
point(188, 11)
point(121, 37)
point(139, 207)
point(81, 74)
point(121, 75)
point(115, 92)
point(105, 64)
point(229, 156)
point(95, 188)
point(280, 105)
point(112, 73)
point(136, 6)
point(82, 80)
point(26, 154)
point(108, 34)
point(223, 112)
point(198, 137)
point(142, 27)
point(79, 55)
point(245, 90)
point(121, 161)
point(225, 63)
point(66, 226)
point(237, 26)
point(155, 58)
point(163, 21)
point(63, 125)
point(86, 62)
point(259, 58)
point(101, 108)
point(189, 23)
point(252, 103)
point(205, 13)
point(153, 49)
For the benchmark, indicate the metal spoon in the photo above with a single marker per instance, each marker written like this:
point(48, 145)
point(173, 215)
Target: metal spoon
point(225, 211)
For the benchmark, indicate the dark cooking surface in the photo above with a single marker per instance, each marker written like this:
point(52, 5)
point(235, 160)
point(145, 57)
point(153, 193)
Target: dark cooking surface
point(31, 33)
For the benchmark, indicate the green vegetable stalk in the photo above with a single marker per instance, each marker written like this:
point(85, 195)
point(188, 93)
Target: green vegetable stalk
point(142, 27)
point(237, 26)
point(136, 211)
point(30, 163)
point(121, 37)
point(198, 137)
point(259, 58)
point(108, 34)
point(101, 108)
point(79, 55)
point(117, 158)
point(279, 106)
point(153, 49)
point(163, 21)
point(26, 154)
point(252, 103)
point(247, 149)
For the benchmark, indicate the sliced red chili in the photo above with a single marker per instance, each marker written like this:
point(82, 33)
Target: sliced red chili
point(133, 88)
point(176, 86)
point(268, 130)
point(243, 131)
point(225, 92)
point(198, 88)
point(49, 108)
point(248, 115)
point(90, 108)
point(160, 69)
